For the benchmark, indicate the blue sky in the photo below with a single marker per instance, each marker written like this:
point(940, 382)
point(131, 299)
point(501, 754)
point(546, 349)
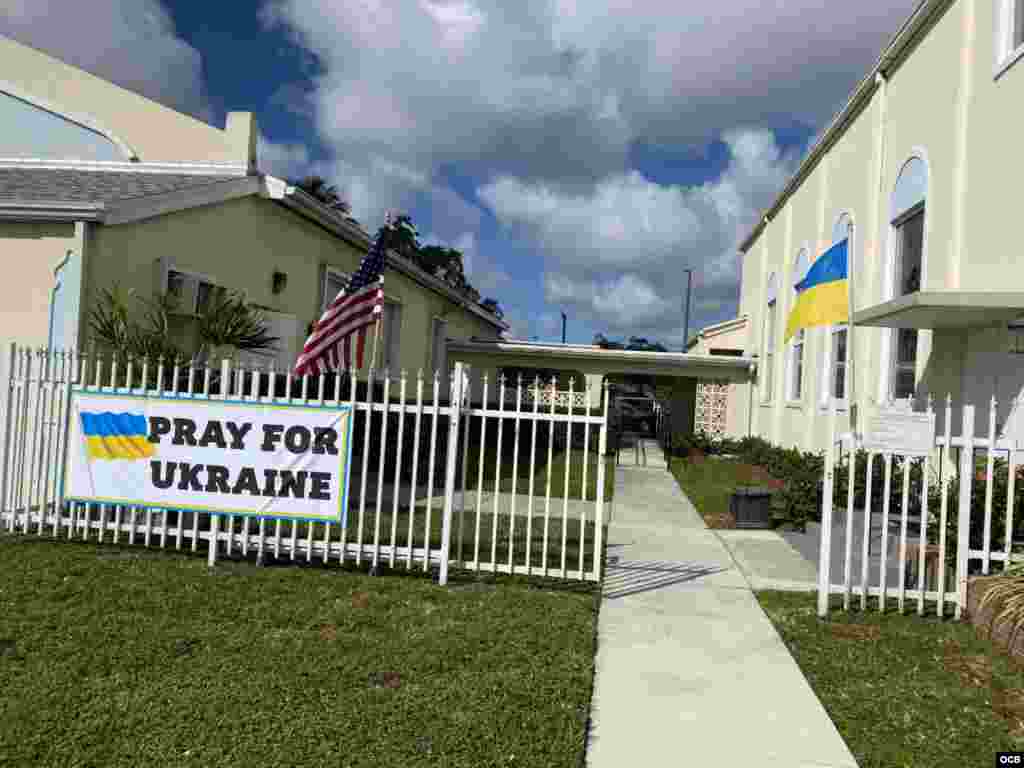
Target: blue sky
point(581, 154)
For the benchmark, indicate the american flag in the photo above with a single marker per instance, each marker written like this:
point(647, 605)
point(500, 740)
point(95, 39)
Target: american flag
point(346, 319)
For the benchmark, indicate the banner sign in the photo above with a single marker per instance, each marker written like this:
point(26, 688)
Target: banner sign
point(224, 456)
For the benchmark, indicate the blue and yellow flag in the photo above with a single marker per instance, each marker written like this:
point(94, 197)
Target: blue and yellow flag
point(116, 436)
point(822, 297)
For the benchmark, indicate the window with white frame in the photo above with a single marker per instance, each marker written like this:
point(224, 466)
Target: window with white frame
point(795, 383)
point(836, 350)
point(1010, 33)
point(771, 312)
point(192, 293)
point(392, 332)
point(333, 283)
point(907, 247)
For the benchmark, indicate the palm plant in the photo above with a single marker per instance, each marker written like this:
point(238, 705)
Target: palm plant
point(231, 323)
point(226, 323)
point(112, 325)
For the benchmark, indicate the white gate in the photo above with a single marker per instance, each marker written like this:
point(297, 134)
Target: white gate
point(437, 480)
point(893, 535)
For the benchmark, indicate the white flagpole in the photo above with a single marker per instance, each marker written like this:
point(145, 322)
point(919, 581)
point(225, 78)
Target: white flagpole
point(376, 329)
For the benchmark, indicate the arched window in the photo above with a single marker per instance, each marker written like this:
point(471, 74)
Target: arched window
point(836, 349)
point(795, 383)
point(771, 313)
point(906, 236)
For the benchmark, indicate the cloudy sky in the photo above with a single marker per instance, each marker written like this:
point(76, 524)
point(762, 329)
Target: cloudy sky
point(582, 154)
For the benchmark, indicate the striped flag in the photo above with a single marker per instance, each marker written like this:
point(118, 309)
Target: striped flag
point(344, 322)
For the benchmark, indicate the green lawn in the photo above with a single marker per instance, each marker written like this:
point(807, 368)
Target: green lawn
point(559, 463)
point(123, 657)
point(710, 483)
point(902, 690)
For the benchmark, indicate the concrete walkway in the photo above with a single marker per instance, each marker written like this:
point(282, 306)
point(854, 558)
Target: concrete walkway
point(689, 669)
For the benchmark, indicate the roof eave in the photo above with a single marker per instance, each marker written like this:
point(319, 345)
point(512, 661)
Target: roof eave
point(410, 270)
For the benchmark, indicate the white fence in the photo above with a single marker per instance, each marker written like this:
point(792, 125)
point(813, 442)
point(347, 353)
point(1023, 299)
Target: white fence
point(901, 544)
point(430, 486)
point(548, 396)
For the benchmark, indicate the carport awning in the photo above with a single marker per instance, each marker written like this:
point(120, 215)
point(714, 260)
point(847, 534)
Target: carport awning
point(591, 359)
point(944, 309)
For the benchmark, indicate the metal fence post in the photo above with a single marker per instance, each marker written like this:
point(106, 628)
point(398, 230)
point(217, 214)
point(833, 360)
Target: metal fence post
point(211, 552)
point(963, 536)
point(5, 453)
point(825, 556)
point(599, 516)
point(451, 461)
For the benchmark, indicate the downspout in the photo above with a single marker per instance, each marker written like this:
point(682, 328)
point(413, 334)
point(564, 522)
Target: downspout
point(53, 296)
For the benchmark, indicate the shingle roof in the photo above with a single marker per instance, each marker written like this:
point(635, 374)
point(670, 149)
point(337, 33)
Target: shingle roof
point(89, 186)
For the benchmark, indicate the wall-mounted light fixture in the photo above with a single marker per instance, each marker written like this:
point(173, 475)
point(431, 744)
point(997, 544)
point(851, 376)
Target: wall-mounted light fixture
point(1016, 330)
point(278, 283)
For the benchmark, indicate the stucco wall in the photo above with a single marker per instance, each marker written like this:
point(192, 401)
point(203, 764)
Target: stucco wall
point(29, 253)
point(240, 244)
point(155, 132)
point(943, 104)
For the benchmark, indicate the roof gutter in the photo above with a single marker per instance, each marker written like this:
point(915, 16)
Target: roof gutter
point(924, 13)
point(30, 210)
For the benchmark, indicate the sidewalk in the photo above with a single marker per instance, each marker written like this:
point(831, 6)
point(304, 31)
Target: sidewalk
point(689, 669)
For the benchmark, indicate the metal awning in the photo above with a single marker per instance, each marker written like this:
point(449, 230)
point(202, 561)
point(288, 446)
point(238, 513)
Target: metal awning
point(590, 359)
point(944, 309)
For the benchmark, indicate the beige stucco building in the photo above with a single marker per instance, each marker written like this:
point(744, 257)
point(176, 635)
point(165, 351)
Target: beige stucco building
point(717, 413)
point(920, 171)
point(99, 186)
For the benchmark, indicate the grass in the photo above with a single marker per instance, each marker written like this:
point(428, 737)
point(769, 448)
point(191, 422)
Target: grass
point(133, 658)
point(710, 483)
point(464, 544)
point(571, 460)
point(902, 690)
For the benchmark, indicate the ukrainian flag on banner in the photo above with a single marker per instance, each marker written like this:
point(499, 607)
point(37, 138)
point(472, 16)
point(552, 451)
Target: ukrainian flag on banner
point(116, 436)
point(822, 296)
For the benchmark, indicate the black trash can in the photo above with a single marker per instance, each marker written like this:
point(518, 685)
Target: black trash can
point(752, 507)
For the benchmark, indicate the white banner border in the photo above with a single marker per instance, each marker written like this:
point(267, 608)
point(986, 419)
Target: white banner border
point(341, 519)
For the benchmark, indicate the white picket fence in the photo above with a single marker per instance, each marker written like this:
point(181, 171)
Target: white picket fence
point(904, 547)
point(410, 508)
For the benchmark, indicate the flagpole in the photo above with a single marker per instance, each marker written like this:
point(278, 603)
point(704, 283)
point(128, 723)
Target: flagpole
point(376, 330)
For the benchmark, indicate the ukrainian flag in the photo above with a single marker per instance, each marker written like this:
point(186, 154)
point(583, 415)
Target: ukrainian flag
point(822, 296)
point(116, 436)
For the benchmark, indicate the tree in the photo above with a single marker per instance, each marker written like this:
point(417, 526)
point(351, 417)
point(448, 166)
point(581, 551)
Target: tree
point(400, 236)
point(445, 263)
point(317, 187)
point(492, 306)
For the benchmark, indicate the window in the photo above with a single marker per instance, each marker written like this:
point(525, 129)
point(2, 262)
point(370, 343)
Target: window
point(392, 334)
point(769, 338)
point(798, 342)
point(835, 362)
point(192, 294)
point(907, 237)
point(837, 355)
point(439, 347)
point(334, 282)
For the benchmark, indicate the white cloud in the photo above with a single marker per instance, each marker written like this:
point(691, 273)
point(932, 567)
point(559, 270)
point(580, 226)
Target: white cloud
point(543, 101)
point(130, 42)
point(556, 91)
point(616, 257)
